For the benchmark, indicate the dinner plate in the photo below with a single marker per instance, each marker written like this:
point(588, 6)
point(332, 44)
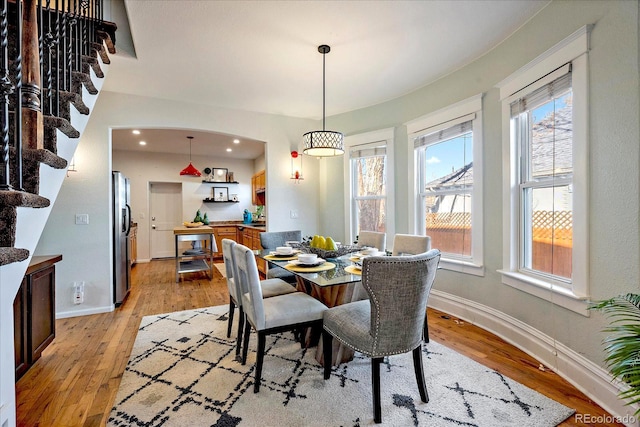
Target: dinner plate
point(277, 255)
point(318, 262)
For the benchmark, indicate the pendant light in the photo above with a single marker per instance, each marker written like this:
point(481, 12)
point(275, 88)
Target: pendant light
point(323, 143)
point(190, 170)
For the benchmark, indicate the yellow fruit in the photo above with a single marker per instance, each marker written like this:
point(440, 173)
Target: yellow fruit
point(322, 243)
point(331, 244)
point(314, 241)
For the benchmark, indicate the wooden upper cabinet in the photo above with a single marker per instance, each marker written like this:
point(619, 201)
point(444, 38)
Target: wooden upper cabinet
point(258, 189)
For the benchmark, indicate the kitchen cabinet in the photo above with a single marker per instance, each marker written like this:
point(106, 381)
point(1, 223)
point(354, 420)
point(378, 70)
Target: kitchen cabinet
point(223, 232)
point(258, 189)
point(133, 244)
point(251, 239)
point(34, 312)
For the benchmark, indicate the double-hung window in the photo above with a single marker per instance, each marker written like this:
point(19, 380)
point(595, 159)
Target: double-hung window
point(545, 147)
point(447, 147)
point(370, 178)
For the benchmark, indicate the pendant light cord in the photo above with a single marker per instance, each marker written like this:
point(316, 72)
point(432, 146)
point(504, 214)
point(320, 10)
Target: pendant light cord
point(324, 55)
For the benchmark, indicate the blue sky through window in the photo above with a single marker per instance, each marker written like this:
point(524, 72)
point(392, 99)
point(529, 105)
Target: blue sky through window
point(448, 156)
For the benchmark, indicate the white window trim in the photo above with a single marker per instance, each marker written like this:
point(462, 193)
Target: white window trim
point(415, 128)
point(573, 49)
point(385, 135)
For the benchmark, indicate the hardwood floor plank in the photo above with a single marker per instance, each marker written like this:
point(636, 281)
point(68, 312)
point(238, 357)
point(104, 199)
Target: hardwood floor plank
point(76, 380)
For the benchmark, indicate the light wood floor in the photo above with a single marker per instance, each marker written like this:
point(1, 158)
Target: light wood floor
point(76, 380)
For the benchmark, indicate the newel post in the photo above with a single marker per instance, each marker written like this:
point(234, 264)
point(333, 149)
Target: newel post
point(32, 121)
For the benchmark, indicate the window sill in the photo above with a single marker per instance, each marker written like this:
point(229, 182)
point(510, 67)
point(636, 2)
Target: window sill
point(547, 291)
point(462, 266)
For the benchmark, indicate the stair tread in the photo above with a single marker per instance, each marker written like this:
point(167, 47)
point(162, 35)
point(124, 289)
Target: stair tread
point(11, 255)
point(15, 198)
point(45, 156)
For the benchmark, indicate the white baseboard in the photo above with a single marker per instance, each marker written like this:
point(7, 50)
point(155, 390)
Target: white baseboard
point(586, 376)
point(85, 312)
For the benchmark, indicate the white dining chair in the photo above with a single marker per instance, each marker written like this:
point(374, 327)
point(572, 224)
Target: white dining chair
point(270, 288)
point(373, 239)
point(266, 316)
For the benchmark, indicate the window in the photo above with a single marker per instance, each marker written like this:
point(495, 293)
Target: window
point(544, 107)
point(447, 147)
point(370, 179)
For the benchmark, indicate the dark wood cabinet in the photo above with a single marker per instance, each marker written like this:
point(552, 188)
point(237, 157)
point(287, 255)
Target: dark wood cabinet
point(34, 312)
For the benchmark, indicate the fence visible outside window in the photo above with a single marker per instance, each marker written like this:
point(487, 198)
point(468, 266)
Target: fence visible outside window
point(447, 179)
point(545, 112)
point(446, 170)
point(542, 126)
point(369, 173)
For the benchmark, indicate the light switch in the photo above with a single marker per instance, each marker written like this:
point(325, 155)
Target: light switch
point(82, 219)
point(294, 214)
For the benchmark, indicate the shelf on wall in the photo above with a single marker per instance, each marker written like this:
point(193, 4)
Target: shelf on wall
point(220, 182)
point(218, 201)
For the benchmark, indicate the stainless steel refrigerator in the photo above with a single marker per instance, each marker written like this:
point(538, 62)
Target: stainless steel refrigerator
point(121, 229)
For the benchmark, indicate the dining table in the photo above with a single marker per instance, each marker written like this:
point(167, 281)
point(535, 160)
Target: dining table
point(332, 283)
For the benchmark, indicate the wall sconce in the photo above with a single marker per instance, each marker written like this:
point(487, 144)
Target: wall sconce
point(296, 172)
point(72, 166)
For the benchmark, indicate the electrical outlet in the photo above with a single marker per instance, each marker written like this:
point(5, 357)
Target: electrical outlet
point(78, 292)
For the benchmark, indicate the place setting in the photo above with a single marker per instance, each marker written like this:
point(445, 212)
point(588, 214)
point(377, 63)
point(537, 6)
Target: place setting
point(309, 263)
point(283, 253)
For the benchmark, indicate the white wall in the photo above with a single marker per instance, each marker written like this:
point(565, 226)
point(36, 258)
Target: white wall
point(141, 169)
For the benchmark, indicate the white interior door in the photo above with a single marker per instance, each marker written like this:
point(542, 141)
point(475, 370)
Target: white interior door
point(165, 200)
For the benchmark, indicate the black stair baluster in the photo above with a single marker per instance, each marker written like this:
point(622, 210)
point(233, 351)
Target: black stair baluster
point(58, 44)
point(6, 89)
point(17, 134)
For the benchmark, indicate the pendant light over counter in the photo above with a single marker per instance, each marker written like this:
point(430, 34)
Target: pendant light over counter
point(323, 143)
point(190, 170)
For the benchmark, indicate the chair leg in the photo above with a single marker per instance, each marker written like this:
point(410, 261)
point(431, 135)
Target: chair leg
point(259, 360)
point(232, 309)
point(327, 347)
point(241, 321)
point(375, 380)
point(245, 344)
point(417, 367)
point(425, 332)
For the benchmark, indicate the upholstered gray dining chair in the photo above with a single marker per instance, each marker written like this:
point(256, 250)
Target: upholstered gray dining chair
point(270, 315)
point(271, 240)
point(390, 321)
point(270, 288)
point(412, 244)
point(373, 239)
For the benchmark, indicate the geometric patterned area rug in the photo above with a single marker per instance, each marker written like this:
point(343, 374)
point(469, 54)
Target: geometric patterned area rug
point(182, 372)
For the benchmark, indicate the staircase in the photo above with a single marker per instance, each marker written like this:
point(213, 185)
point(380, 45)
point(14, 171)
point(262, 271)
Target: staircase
point(53, 60)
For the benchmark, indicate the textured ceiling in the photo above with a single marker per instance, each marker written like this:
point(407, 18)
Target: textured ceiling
point(262, 55)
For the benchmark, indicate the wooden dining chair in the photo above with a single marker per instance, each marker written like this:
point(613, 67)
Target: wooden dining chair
point(373, 239)
point(270, 288)
point(267, 316)
point(390, 321)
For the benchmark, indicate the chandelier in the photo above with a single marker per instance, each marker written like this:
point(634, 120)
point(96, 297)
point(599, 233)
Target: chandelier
point(323, 143)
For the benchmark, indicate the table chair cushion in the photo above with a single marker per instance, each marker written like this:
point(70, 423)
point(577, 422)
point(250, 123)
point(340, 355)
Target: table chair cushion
point(350, 324)
point(288, 309)
point(273, 287)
